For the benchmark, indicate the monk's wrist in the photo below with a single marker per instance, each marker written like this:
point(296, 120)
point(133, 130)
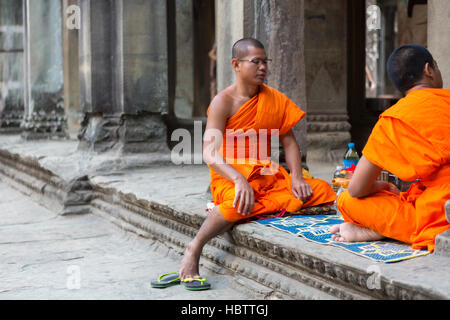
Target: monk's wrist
point(380, 185)
point(296, 175)
point(238, 178)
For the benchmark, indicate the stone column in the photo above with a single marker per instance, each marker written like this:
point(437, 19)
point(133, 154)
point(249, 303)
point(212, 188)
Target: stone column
point(326, 79)
point(123, 78)
point(43, 95)
point(184, 97)
point(229, 29)
point(284, 43)
point(11, 62)
point(438, 40)
point(286, 49)
point(71, 15)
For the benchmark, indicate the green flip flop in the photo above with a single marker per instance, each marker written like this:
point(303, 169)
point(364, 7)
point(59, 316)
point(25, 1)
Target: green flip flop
point(195, 284)
point(166, 280)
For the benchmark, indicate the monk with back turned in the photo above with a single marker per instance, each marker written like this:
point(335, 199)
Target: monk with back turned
point(412, 141)
point(244, 182)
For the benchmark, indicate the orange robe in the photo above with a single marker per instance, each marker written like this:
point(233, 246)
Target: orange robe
point(412, 141)
point(268, 111)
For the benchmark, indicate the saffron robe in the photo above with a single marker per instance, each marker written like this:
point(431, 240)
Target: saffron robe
point(411, 140)
point(268, 113)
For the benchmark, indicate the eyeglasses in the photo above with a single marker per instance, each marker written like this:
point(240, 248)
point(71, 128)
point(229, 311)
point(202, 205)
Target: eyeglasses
point(258, 61)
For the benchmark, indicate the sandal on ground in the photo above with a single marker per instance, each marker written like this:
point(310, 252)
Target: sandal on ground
point(195, 284)
point(166, 280)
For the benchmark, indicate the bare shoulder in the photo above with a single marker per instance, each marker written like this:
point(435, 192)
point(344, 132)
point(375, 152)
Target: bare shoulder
point(221, 104)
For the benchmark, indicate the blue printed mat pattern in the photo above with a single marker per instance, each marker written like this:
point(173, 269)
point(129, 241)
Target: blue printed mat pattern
point(316, 228)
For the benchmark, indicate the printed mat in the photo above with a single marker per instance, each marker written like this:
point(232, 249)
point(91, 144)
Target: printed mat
point(316, 228)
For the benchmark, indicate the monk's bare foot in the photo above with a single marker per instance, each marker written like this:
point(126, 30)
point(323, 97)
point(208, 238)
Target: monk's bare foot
point(189, 264)
point(349, 232)
point(213, 225)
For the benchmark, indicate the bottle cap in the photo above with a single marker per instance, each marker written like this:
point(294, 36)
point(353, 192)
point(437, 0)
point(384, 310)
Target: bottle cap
point(351, 145)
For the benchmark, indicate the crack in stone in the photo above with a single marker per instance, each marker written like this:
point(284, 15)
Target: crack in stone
point(63, 239)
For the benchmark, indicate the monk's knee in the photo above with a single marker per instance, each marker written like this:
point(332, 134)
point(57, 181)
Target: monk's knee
point(345, 205)
point(228, 212)
point(215, 211)
point(322, 185)
point(322, 189)
point(341, 199)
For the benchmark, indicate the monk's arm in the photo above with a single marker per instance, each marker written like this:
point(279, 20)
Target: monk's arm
point(363, 182)
point(299, 187)
point(212, 140)
point(292, 154)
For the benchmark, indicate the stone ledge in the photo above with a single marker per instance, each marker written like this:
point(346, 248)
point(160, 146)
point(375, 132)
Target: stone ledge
point(331, 116)
point(443, 244)
point(447, 210)
point(168, 204)
point(328, 126)
point(443, 239)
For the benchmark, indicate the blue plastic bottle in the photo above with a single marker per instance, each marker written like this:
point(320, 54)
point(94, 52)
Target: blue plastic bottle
point(351, 156)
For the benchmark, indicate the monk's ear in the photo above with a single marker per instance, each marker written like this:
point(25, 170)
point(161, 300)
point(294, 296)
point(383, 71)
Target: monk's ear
point(235, 64)
point(428, 70)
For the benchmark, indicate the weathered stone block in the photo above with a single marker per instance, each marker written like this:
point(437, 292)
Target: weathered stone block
point(447, 210)
point(126, 133)
point(443, 240)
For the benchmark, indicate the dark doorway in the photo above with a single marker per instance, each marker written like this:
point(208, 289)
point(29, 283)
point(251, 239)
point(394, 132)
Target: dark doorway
point(356, 80)
point(196, 97)
point(204, 37)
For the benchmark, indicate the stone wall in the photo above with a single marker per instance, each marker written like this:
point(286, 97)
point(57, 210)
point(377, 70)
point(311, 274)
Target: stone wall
point(326, 79)
point(43, 70)
point(229, 29)
point(11, 66)
point(438, 39)
point(124, 76)
point(326, 56)
point(71, 67)
point(184, 96)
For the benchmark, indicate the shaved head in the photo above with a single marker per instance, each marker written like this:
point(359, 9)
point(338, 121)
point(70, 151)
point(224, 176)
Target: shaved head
point(405, 66)
point(240, 48)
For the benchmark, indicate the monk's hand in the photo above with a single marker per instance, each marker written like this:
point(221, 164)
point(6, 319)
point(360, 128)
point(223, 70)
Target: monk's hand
point(244, 195)
point(301, 189)
point(392, 188)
